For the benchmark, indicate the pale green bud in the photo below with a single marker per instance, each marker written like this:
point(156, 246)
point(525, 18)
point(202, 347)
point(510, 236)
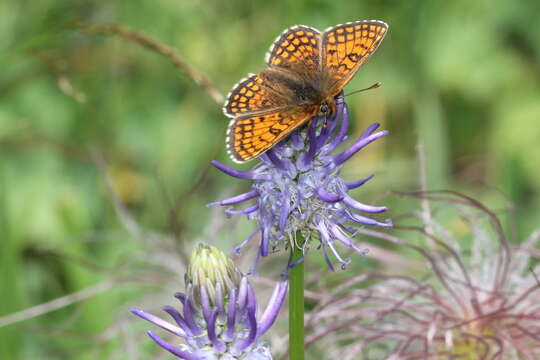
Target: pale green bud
point(212, 272)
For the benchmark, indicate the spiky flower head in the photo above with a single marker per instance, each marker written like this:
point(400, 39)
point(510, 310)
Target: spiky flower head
point(478, 300)
point(299, 189)
point(224, 328)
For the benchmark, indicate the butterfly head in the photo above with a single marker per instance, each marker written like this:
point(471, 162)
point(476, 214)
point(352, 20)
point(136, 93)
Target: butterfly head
point(324, 109)
point(327, 107)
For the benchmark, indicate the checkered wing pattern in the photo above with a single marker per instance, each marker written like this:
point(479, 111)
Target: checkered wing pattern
point(347, 47)
point(249, 95)
point(250, 135)
point(297, 46)
point(265, 107)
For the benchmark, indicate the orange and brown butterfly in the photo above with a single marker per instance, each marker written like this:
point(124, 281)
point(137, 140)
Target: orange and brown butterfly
point(306, 70)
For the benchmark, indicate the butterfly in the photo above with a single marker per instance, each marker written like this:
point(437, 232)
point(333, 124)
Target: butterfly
point(306, 70)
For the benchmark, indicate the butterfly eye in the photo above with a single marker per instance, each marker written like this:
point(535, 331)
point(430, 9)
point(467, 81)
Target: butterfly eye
point(324, 109)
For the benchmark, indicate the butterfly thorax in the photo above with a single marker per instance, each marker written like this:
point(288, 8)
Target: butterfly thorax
point(299, 89)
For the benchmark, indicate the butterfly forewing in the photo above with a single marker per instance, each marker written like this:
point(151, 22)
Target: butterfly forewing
point(346, 47)
point(251, 135)
point(249, 95)
point(298, 46)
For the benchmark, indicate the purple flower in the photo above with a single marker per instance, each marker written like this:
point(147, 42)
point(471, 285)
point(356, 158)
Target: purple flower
point(297, 187)
point(223, 325)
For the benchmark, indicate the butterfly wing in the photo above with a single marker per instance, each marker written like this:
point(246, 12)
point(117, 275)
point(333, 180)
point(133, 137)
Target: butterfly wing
point(249, 95)
point(263, 112)
point(347, 47)
point(250, 135)
point(263, 106)
point(298, 46)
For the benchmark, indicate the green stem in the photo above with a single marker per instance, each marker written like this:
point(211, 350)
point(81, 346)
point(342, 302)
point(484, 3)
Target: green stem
point(296, 303)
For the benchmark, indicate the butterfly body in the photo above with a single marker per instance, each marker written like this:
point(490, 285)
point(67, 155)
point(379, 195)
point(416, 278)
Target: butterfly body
point(298, 88)
point(306, 70)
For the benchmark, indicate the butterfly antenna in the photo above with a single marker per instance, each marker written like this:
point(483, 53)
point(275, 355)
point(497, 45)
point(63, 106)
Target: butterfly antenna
point(374, 86)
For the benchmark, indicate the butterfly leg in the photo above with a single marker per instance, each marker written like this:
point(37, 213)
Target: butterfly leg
point(325, 123)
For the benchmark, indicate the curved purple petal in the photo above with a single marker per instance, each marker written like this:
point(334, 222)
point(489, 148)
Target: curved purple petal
point(178, 318)
point(328, 197)
point(359, 144)
point(336, 254)
point(306, 157)
point(326, 258)
point(356, 205)
point(242, 294)
point(188, 316)
point(323, 232)
point(245, 211)
point(285, 210)
point(220, 298)
point(272, 308)
point(219, 346)
point(159, 322)
point(244, 243)
point(205, 304)
point(296, 140)
point(368, 221)
point(252, 335)
point(239, 174)
point(180, 296)
point(369, 130)
point(265, 241)
point(297, 262)
point(276, 160)
point(172, 349)
point(255, 263)
point(231, 316)
point(339, 138)
point(338, 234)
point(236, 199)
point(354, 184)
point(251, 299)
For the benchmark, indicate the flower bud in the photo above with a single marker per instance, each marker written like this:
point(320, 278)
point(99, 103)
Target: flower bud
point(211, 276)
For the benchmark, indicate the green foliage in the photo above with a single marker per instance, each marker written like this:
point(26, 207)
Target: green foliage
point(462, 75)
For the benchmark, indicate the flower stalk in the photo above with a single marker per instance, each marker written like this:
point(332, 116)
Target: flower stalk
point(296, 300)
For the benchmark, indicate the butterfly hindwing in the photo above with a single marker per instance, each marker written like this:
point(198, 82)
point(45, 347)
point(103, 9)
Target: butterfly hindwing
point(346, 47)
point(296, 46)
point(250, 135)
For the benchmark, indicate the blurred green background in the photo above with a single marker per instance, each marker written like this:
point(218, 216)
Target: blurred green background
point(462, 76)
